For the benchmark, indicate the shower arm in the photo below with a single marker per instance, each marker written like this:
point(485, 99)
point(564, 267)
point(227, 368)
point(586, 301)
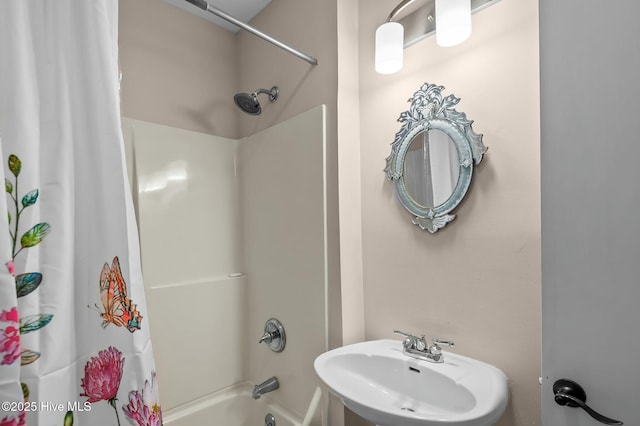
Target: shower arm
point(202, 4)
point(273, 93)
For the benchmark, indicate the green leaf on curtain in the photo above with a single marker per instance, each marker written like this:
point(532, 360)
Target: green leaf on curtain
point(26, 283)
point(8, 186)
point(34, 235)
point(9, 217)
point(28, 356)
point(30, 198)
point(25, 391)
point(34, 322)
point(68, 419)
point(15, 165)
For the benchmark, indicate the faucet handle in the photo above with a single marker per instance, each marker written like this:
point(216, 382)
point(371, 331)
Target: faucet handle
point(438, 342)
point(409, 339)
point(269, 336)
point(402, 333)
point(436, 350)
point(274, 335)
point(412, 342)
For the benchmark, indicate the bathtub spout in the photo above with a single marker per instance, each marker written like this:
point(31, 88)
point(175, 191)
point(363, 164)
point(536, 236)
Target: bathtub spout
point(268, 385)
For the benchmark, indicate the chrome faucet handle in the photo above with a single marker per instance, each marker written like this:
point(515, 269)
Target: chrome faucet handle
point(268, 336)
point(443, 342)
point(274, 335)
point(436, 350)
point(412, 342)
point(421, 344)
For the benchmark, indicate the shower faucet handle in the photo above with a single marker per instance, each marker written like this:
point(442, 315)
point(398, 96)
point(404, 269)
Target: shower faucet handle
point(274, 335)
point(269, 336)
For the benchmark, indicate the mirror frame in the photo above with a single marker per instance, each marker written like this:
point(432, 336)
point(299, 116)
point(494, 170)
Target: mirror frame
point(429, 110)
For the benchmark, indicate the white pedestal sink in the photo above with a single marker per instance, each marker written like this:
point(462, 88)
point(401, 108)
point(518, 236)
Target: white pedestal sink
point(377, 381)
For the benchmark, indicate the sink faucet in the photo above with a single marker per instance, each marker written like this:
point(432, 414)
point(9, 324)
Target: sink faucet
point(268, 385)
point(417, 347)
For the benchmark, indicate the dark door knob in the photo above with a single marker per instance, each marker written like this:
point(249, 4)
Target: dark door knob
point(568, 393)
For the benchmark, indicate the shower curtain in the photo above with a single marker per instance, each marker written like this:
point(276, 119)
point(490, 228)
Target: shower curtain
point(74, 336)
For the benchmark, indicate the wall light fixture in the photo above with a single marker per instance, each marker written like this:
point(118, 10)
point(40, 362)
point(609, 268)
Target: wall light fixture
point(453, 22)
point(449, 19)
point(389, 47)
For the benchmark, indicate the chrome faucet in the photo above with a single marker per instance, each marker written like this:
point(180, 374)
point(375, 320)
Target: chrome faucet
point(417, 347)
point(268, 385)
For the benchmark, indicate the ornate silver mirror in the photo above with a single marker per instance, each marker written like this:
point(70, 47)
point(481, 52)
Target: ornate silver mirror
point(432, 157)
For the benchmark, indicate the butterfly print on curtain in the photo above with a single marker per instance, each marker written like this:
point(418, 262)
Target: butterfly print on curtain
point(118, 308)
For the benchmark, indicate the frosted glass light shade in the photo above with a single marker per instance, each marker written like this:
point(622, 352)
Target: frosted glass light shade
point(389, 48)
point(453, 22)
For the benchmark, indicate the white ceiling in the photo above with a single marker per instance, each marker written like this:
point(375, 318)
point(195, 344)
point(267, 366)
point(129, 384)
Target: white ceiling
point(243, 10)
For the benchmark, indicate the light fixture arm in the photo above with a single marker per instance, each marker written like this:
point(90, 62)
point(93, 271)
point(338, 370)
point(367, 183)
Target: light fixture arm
point(399, 8)
point(413, 21)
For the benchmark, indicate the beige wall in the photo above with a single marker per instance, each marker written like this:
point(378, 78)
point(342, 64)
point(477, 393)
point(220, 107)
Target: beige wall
point(302, 85)
point(349, 172)
point(476, 282)
point(177, 69)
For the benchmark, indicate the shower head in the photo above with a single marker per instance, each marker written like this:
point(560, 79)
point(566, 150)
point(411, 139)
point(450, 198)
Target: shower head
point(248, 102)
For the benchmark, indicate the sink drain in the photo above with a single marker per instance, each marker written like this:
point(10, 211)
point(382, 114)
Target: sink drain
point(408, 409)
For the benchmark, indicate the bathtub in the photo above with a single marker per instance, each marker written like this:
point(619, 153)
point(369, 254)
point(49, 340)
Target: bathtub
point(234, 406)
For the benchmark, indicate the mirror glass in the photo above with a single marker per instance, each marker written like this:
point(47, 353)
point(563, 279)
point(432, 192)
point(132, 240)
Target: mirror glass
point(431, 168)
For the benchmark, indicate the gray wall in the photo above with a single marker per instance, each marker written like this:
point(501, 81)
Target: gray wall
point(590, 99)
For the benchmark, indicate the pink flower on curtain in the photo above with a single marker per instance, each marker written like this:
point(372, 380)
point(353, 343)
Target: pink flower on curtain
point(144, 406)
point(102, 375)
point(11, 268)
point(12, 421)
point(9, 337)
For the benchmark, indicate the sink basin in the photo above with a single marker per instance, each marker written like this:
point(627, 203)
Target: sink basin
point(383, 385)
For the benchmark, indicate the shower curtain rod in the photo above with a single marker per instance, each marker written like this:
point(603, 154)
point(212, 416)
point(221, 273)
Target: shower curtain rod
point(202, 4)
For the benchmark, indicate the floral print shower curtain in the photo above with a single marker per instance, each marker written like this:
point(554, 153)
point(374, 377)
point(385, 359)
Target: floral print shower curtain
point(74, 337)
